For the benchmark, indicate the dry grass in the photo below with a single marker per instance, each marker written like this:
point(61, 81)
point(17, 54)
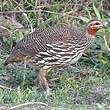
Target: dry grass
point(86, 86)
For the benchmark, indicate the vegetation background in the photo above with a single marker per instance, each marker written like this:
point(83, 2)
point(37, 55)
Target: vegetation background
point(83, 86)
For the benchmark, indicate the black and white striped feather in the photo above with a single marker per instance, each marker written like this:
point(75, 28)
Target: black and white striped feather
point(53, 46)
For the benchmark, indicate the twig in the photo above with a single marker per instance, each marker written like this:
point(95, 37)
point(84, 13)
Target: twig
point(44, 104)
point(22, 105)
point(26, 11)
point(4, 87)
point(6, 29)
point(31, 104)
point(30, 11)
point(28, 104)
point(52, 5)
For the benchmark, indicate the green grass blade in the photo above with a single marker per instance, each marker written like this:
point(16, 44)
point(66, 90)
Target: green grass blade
point(96, 12)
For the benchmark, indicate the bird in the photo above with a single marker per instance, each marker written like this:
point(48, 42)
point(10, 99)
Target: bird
point(53, 47)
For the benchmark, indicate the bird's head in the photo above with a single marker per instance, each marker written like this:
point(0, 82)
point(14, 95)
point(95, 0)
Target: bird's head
point(92, 27)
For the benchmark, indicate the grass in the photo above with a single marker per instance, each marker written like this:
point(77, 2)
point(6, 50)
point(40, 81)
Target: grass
point(83, 86)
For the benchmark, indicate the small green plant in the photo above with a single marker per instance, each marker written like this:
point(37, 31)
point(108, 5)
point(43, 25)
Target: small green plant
point(84, 89)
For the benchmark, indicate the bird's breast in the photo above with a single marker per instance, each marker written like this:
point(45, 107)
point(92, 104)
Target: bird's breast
point(58, 55)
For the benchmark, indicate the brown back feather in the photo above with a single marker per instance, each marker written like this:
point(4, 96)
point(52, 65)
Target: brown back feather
point(36, 41)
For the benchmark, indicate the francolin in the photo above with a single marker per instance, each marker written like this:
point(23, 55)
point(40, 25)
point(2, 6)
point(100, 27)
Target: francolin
point(55, 46)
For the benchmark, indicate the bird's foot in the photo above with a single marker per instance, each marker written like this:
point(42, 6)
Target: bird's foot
point(47, 92)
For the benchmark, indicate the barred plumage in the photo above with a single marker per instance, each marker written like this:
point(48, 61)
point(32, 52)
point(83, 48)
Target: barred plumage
point(52, 47)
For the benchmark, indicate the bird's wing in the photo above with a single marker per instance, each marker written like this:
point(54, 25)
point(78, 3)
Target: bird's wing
point(37, 41)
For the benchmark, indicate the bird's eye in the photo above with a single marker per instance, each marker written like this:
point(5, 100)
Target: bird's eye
point(97, 23)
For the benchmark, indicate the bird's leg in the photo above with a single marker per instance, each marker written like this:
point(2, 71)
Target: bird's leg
point(42, 80)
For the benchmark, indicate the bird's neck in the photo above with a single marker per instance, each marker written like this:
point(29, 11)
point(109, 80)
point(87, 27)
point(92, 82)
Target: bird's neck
point(91, 32)
point(90, 35)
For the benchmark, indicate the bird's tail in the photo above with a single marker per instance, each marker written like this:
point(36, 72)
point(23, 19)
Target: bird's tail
point(9, 60)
